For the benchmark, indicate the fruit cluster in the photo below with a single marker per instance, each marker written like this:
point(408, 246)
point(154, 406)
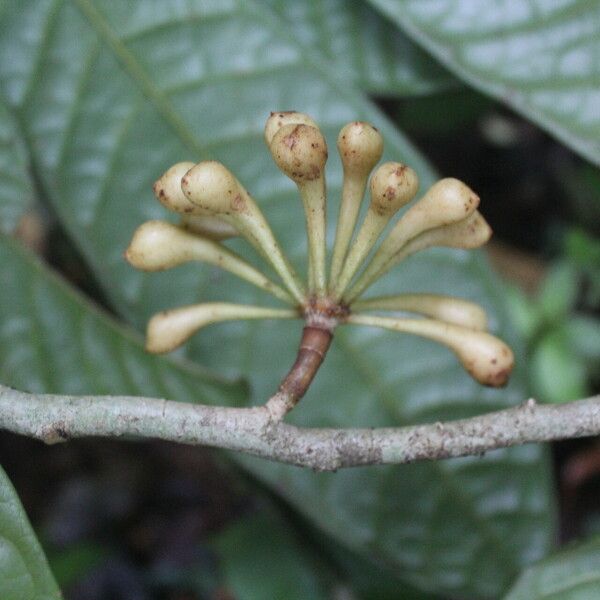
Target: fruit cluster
point(213, 205)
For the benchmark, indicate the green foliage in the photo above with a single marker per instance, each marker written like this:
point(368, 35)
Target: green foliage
point(16, 193)
point(584, 336)
point(559, 292)
point(24, 572)
point(564, 346)
point(260, 558)
point(89, 352)
point(558, 375)
point(368, 578)
point(261, 555)
point(572, 574)
point(363, 47)
point(583, 250)
point(540, 58)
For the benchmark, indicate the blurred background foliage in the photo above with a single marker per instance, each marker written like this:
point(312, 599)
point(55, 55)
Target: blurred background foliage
point(100, 97)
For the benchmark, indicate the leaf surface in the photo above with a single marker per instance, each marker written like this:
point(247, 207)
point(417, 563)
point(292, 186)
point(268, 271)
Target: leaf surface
point(363, 47)
point(572, 574)
point(16, 193)
point(24, 571)
point(52, 340)
point(540, 57)
point(260, 558)
point(112, 95)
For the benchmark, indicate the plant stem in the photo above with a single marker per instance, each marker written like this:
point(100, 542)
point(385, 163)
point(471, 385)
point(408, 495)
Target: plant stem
point(444, 308)
point(314, 200)
point(57, 418)
point(352, 194)
point(313, 348)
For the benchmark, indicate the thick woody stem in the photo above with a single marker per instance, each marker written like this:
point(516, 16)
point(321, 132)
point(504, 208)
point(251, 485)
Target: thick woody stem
point(313, 347)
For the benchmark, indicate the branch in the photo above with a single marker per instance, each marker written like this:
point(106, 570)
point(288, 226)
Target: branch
point(57, 418)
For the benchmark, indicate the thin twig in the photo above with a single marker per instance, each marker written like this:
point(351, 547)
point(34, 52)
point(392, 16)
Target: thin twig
point(56, 418)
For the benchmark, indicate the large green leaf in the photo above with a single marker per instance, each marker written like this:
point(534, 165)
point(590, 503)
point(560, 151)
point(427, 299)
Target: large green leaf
point(24, 572)
point(112, 94)
point(16, 192)
point(572, 574)
point(363, 47)
point(540, 57)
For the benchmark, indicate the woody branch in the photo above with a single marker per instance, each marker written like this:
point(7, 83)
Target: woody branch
point(57, 418)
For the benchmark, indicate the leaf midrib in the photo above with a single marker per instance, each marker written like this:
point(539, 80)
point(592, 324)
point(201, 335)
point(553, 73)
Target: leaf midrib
point(137, 73)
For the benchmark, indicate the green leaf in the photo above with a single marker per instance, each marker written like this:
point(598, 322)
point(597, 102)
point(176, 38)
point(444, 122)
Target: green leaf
point(260, 558)
point(112, 95)
point(24, 572)
point(559, 292)
point(364, 48)
point(557, 373)
point(540, 57)
point(582, 248)
point(524, 313)
point(368, 580)
point(583, 333)
point(16, 193)
point(572, 574)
